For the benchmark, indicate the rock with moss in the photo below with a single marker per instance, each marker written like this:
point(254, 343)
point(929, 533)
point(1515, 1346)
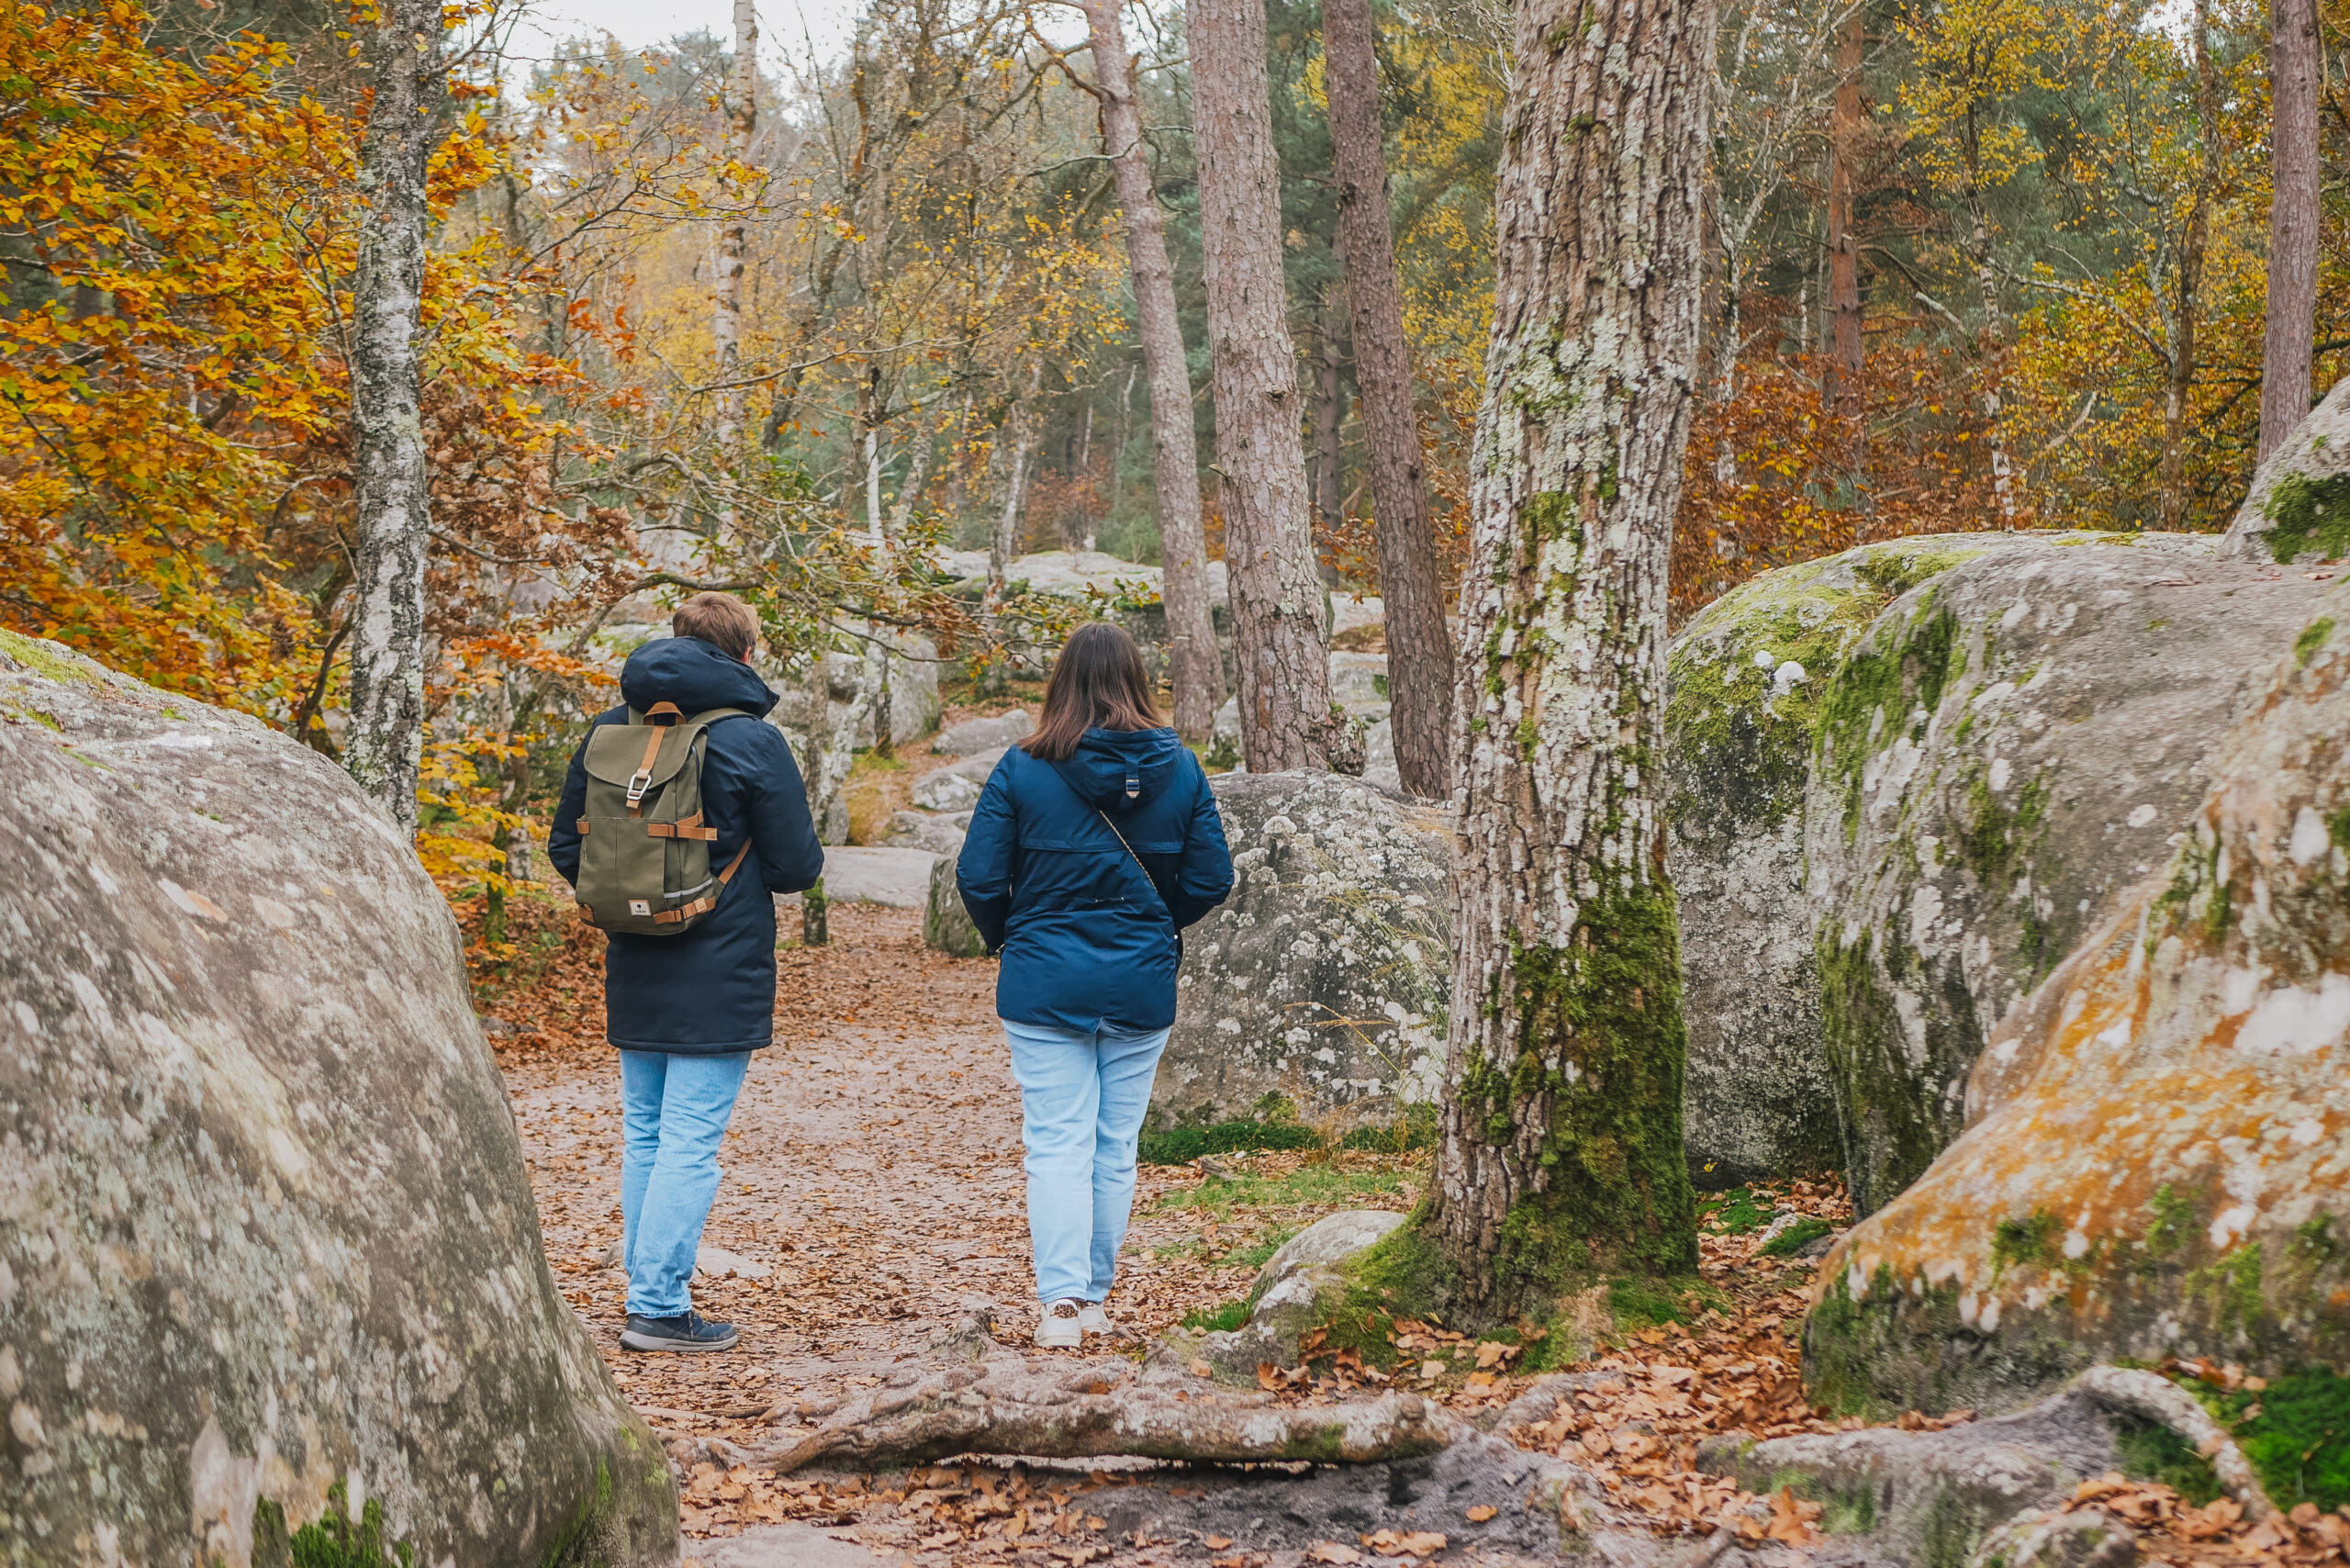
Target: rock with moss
point(1854, 767)
point(1951, 1497)
point(1746, 680)
point(2153, 1162)
point(1322, 981)
point(2299, 506)
point(1302, 1286)
point(270, 1269)
point(946, 926)
point(2002, 756)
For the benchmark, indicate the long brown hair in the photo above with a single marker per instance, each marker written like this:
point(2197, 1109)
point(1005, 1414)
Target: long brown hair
point(1097, 683)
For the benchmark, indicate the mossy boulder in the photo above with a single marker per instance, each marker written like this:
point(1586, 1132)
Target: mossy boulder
point(1896, 797)
point(2299, 506)
point(269, 1261)
point(2002, 754)
point(1321, 982)
point(2154, 1161)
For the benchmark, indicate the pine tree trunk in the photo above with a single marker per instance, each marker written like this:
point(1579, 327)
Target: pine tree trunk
point(2286, 364)
point(1419, 645)
point(726, 286)
point(1842, 391)
point(1195, 668)
point(392, 502)
point(1329, 413)
point(1562, 1150)
point(1285, 713)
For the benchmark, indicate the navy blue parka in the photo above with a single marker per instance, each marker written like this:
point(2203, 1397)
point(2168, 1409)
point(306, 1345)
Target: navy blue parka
point(1088, 937)
point(712, 990)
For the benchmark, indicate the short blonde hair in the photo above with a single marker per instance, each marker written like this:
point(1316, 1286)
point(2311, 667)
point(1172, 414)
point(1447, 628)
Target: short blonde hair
point(718, 618)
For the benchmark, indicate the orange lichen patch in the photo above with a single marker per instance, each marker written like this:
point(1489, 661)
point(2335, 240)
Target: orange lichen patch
point(2158, 1159)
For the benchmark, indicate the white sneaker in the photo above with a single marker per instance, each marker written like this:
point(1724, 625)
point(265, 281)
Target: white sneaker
point(1062, 1328)
point(1093, 1317)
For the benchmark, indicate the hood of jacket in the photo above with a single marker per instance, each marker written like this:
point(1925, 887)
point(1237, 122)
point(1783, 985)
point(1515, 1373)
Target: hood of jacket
point(1116, 770)
point(695, 675)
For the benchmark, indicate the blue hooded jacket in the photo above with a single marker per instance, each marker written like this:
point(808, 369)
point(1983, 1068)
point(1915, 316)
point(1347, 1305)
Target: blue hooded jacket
point(1088, 939)
point(712, 990)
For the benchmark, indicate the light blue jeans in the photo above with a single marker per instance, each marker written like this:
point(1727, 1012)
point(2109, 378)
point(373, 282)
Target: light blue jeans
point(1081, 1102)
point(674, 1111)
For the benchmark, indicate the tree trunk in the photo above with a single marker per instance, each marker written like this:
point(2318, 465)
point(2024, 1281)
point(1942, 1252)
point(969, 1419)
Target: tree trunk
point(1987, 284)
point(726, 286)
point(1419, 645)
point(1842, 393)
point(1003, 539)
point(1285, 712)
point(1329, 413)
point(392, 502)
point(2187, 284)
point(2286, 366)
point(1560, 1152)
point(1195, 668)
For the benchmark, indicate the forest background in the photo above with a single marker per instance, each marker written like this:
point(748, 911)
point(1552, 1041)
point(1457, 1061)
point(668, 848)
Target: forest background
point(2055, 211)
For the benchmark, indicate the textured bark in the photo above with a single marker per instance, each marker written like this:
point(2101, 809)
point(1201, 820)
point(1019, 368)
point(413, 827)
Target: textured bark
point(1561, 1146)
point(1284, 666)
point(391, 502)
point(967, 1400)
point(1841, 376)
point(726, 283)
point(1195, 668)
point(1329, 413)
point(1419, 645)
point(2286, 366)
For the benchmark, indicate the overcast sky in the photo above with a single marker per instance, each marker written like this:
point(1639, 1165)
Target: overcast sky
point(786, 27)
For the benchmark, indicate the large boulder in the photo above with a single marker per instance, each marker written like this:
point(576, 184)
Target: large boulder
point(2299, 506)
point(946, 926)
point(1904, 779)
point(267, 1251)
point(1322, 979)
point(2157, 1155)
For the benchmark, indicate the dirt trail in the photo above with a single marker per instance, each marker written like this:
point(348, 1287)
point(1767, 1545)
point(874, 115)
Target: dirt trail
point(871, 1175)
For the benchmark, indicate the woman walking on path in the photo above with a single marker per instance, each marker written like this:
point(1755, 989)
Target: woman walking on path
point(1094, 845)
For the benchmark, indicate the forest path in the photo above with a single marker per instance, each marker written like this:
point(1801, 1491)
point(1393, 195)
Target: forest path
point(871, 1177)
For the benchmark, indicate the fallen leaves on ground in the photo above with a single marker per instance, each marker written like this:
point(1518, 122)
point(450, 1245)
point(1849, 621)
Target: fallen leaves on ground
point(2219, 1530)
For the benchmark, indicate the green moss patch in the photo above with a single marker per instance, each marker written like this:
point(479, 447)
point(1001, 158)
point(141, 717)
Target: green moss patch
point(2151, 1452)
point(2295, 1431)
point(1798, 1237)
point(332, 1541)
point(2306, 514)
point(2312, 639)
point(1183, 1144)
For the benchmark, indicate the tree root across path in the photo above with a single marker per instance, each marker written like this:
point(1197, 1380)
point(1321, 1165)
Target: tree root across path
point(974, 1397)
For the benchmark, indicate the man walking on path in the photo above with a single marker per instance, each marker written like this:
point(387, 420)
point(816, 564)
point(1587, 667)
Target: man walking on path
point(686, 1010)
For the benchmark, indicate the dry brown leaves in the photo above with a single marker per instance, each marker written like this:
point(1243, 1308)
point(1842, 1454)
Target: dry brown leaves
point(2219, 1530)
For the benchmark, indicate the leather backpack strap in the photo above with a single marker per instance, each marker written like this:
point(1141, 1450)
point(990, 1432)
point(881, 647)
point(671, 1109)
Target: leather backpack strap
point(708, 901)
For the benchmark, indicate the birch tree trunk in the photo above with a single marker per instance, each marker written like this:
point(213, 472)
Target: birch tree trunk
point(726, 283)
point(1196, 669)
point(2286, 367)
point(1560, 1152)
point(391, 502)
point(1285, 665)
point(1419, 648)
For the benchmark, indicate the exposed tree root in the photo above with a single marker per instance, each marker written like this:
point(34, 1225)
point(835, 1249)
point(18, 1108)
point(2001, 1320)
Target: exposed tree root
point(966, 1401)
point(2129, 1391)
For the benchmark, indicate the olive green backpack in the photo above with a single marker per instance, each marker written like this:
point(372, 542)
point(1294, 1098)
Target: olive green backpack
point(644, 848)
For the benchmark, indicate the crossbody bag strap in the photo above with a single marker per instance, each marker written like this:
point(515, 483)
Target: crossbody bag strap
point(1136, 859)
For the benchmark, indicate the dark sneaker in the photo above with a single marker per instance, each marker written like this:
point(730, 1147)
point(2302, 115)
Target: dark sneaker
point(690, 1330)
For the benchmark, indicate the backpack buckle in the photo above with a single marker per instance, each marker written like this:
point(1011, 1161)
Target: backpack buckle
point(638, 783)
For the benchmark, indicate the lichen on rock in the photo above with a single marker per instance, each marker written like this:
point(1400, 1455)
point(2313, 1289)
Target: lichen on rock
point(2154, 1161)
point(1322, 981)
point(268, 1250)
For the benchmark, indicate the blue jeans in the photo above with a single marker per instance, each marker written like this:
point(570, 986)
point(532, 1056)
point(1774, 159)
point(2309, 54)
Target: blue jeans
point(674, 1111)
point(1081, 1102)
